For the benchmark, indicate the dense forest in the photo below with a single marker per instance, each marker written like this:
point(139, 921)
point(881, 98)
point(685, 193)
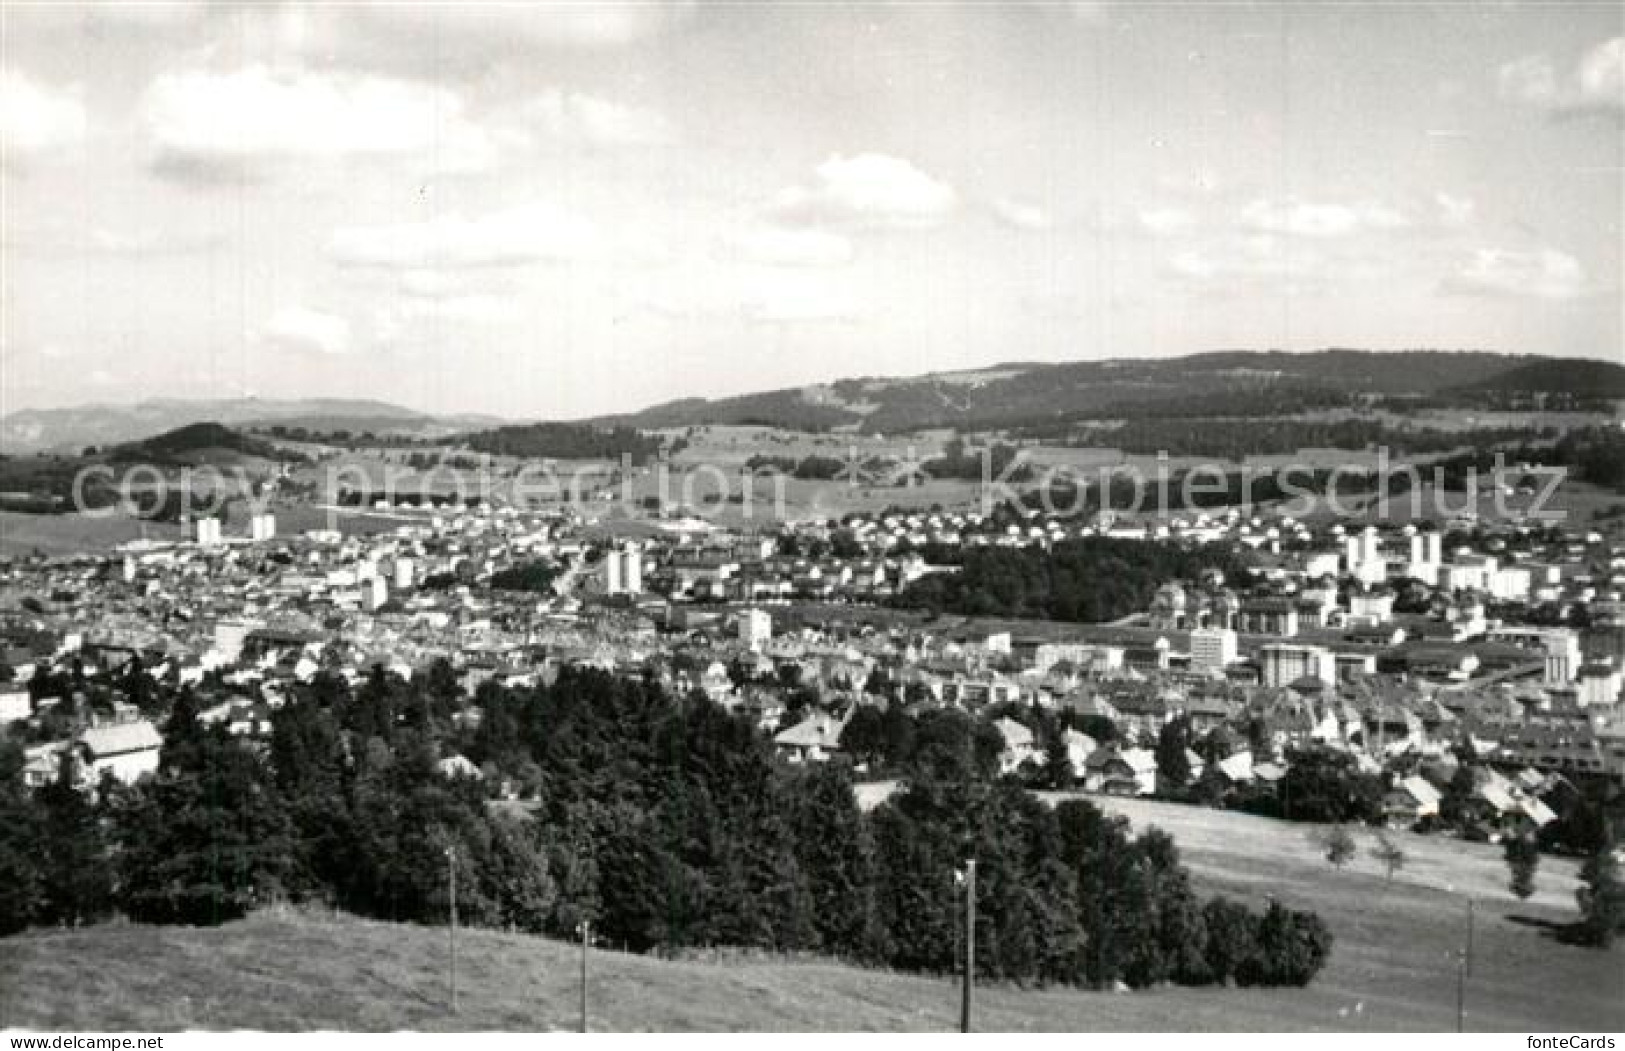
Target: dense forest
point(996, 461)
point(1242, 384)
point(1591, 454)
point(811, 468)
point(1237, 439)
point(1090, 580)
point(665, 820)
point(566, 441)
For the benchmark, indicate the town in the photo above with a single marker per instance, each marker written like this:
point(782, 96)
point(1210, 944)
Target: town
point(1486, 664)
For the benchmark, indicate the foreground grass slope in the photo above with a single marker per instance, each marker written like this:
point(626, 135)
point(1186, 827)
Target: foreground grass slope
point(305, 973)
point(1393, 967)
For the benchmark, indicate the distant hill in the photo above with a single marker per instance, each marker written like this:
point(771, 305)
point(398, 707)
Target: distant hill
point(71, 429)
point(1230, 383)
point(1222, 383)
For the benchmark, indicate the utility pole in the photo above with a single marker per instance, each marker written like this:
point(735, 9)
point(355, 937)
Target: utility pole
point(1469, 964)
point(584, 928)
point(970, 945)
point(451, 928)
point(1461, 991)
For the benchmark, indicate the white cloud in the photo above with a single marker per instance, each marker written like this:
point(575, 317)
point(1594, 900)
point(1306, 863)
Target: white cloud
point(1167, 221)
point(1084, 12)
point(1454, 211)
point(445, 38)
point(407, 318)
point(1318, 219)
point(105, 16)
point(795, 303)
point(1540, 274)
point(204, 122)
point(431, 284)
point(56, 237)
point(1020, 214)
point(1250, 257)
point(503, 26)
point(747, 294)
point(1529, 79)
point(1596, 85)
point(36, 119)
point(1600, 80)
point(867, 190)
point(600, 122)
point(529, 234)
point(301, 329)
point(211, 125)
point(777, 246)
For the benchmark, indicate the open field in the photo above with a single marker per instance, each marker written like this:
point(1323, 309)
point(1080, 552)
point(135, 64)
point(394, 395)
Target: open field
point(298, 518)
point(1464, 419)
point(730, 446)
point(54, 535)
point(1233, 847)
point(1393, 967)
point(23, 534)
point(1572, 503)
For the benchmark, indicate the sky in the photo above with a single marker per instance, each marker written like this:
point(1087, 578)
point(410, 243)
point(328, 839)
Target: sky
point(562, 210)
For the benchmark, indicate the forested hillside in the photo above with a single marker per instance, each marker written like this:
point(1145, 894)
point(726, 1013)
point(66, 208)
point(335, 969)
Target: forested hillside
point(666, 821)
point(1222, 384)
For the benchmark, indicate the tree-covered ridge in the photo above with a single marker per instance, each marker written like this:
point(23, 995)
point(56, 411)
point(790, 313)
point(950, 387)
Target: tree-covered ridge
point(1089, 580)
point(1237, 439)
point(1227, 383)
point(565, 441)
point(179, 444)
point(665, 820)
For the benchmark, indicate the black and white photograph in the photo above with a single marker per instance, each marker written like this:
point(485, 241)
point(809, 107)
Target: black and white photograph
point(697, 516)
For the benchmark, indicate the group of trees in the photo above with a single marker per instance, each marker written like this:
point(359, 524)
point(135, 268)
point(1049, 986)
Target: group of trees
point(535, 575)
point(813, 468)
point(1591, 454)
point(1597, 455)
point(665, 820)
point(1601, 898)
point(996, 461)
point(566, 441)
point(347, 806)
point(1326, 786)
point(1090, 580)
point(1068, 895)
